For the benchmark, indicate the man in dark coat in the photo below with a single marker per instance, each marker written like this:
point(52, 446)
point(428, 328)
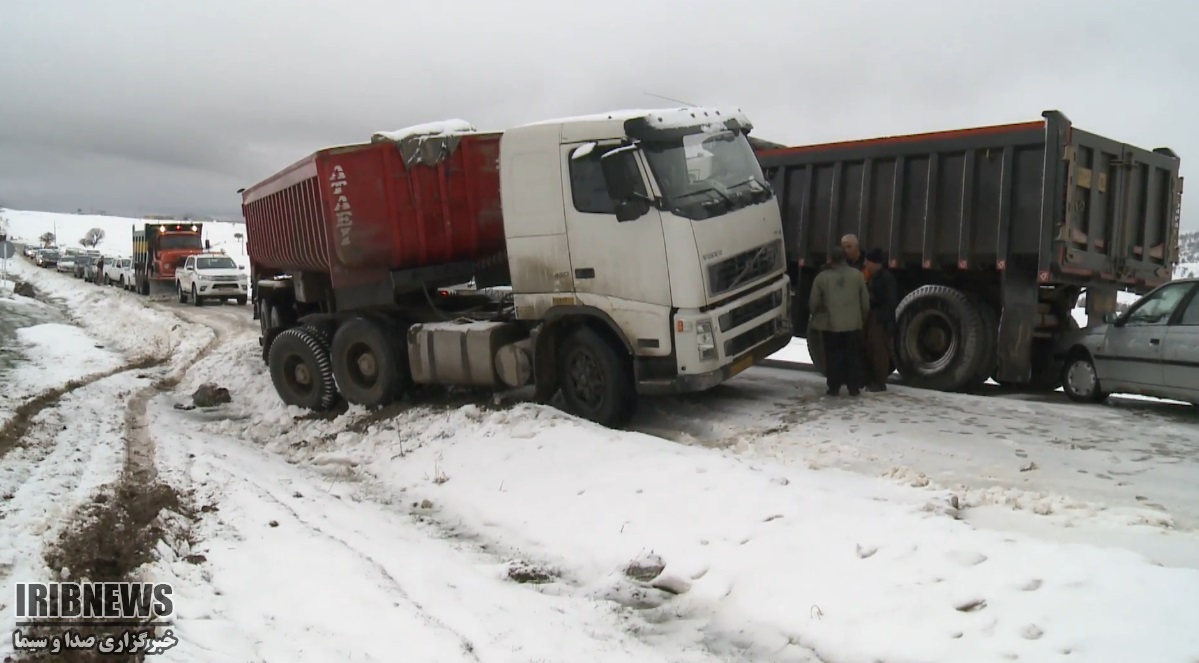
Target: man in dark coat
point(880, 322)
point(840, 304)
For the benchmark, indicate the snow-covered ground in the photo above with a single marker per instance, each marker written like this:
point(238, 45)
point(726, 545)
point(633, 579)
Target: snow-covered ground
point(764, 549)
point(757, 522)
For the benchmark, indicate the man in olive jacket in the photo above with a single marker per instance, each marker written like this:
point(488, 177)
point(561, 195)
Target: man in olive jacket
point(841, 301)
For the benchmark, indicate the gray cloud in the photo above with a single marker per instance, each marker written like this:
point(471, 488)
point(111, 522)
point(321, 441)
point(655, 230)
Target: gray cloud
point(112, 105)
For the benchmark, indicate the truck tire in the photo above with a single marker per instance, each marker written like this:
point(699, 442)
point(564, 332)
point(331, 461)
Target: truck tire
point(322, 335)
point(182, 295)
point(596, 381)
point(241, 301)
point(940, 341)
point(367, 364)
point(196, 301)
point(301, 371)
point(273, 318)
point(989, 356)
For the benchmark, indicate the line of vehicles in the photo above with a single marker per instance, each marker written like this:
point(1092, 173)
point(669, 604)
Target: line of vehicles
point(651, 252)
point(166, 258)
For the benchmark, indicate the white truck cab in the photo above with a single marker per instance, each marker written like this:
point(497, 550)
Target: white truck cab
point(206, 276)
point(658, 220)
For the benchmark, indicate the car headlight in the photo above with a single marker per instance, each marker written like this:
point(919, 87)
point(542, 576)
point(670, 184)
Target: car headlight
point(705, 340)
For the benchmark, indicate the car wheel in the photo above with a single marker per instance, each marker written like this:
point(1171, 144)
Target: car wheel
point(196, 301)
point(1080, 381)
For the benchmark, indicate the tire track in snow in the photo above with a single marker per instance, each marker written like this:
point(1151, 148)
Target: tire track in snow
point(24, 415)
point(430, 620)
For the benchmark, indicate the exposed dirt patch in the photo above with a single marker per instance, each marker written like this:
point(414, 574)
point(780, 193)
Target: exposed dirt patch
point(115, 534)
point(16, 428)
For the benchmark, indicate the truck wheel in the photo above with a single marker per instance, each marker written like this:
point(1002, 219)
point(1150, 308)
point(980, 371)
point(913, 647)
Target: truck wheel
point(596, 381)
point(182, 295)
point(196, 301)
point(241, 301)
point(322, 334)
point(989, 356)
point(940, 341)
point(1079, 380)
point(301, 371)
point(366, 364)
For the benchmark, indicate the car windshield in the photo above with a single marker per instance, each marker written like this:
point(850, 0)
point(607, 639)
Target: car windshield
point(50, 254)
point(178, 241)
point(215, 263)
point(706, 175)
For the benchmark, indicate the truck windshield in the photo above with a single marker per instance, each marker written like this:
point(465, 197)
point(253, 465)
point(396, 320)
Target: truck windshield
point(215, 263)
point(179, 241)
point(706, 175)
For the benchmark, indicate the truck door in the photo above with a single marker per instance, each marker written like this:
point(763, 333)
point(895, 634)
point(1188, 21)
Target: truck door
point(621, 260)
point(1180, 354)
point(1132, 350)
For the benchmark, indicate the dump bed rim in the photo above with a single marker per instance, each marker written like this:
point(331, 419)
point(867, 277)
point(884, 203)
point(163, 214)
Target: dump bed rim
point(1014, 127)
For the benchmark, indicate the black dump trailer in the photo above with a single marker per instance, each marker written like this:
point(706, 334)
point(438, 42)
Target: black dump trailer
point(992, 233)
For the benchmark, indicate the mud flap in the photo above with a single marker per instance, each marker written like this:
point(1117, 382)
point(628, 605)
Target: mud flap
point(1016, 324)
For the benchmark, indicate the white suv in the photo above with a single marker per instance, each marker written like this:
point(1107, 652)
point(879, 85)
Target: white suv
point(211, 276)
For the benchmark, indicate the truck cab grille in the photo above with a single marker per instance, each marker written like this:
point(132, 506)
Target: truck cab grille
point(744, 268)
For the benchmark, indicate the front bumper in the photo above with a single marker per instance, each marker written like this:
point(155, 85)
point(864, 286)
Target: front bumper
point(705, 381)
point(742, 333)
point(222, 288)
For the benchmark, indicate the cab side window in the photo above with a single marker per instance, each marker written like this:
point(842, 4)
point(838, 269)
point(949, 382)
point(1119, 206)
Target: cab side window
point(588, 190)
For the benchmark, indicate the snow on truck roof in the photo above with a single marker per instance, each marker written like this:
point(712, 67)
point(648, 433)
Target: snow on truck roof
point(660, 118)
point(438, 128)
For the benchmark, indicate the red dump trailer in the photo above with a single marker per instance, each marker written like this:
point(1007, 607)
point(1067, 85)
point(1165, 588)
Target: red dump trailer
point(387, 228)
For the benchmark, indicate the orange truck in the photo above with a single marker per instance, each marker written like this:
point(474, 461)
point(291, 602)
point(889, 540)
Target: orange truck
point(158, 250)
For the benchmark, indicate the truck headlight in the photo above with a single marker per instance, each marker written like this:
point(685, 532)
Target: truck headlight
point(705, 340)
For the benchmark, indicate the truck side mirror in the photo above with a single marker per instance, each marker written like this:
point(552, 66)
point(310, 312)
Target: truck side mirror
point(631, 209)
point(1111, 318)
point(241, 267)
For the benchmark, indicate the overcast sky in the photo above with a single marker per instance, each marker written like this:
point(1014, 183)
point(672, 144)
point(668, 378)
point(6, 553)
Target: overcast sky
point(107, 104)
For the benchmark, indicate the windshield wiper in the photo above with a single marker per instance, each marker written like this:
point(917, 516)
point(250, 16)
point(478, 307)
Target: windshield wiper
point(708, 189)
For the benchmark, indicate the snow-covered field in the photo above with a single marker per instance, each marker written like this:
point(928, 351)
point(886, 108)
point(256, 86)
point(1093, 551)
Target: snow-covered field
point(754, 523)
